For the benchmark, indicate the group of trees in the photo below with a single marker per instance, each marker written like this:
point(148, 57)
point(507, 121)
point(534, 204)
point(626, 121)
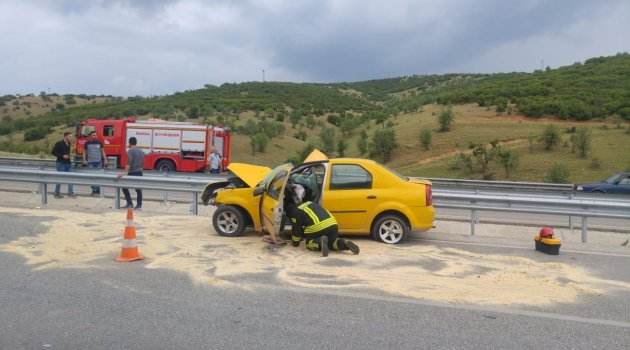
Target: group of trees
point(481, 156)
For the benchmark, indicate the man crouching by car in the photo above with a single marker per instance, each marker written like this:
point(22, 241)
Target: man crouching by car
point(311, 222)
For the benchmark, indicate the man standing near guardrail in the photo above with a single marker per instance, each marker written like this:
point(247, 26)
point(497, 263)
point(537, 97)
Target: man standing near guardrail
point(135, 164)
point(215, 160)
point(94, 157)
point(61, 150)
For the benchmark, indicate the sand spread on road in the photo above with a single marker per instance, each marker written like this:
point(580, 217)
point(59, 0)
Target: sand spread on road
point(188, 244)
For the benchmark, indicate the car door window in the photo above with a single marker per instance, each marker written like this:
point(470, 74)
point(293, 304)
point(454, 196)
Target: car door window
point(349, 176)
point(275, 187)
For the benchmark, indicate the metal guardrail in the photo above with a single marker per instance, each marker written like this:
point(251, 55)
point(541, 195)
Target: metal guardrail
point(583, 207)
point(503, 185)
point(106, 178)
point(524, 200)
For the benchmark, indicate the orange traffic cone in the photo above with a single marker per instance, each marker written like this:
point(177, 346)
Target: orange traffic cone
point(129, 250)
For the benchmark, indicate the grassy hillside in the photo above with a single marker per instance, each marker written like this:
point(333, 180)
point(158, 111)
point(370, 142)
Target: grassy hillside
point(512, 108)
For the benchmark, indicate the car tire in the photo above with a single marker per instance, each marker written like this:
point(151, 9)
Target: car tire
point(390, 229)
point(228, 221)
point(598, 191)
point(165, 165)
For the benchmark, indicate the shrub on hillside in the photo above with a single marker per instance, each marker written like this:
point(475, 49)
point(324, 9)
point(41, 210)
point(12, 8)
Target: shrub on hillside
point(36, 133)
point(558, 173)
point(445, 118)
point(550, 137)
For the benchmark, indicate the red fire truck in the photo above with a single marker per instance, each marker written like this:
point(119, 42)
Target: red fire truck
point(167, 146)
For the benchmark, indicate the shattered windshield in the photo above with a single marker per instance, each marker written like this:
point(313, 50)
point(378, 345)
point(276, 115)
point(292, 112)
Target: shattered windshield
point(273, 173)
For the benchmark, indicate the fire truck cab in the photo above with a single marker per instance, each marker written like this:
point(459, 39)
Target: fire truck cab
point(167, 146)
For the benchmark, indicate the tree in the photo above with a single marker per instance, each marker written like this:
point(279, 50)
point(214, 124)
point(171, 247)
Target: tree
point(508, 159)
point(250, 128)
point(383, 143)
point(381, 118)
point(425, 138)
point(347, 125)
point(310, 122)
point(583, 141)
point(550, 136)
point(482, 155)
point(301, 135)
point(445, 118)
point(259, 142)
point(36, 133)
point(327, 138)
point(342, 145)
point(294, 118)
point(362, 145)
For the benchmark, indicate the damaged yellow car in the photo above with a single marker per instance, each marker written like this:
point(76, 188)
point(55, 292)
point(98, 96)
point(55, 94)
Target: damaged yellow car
point(364, 196)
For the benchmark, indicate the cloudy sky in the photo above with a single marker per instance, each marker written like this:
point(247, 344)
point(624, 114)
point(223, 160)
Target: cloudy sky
point(157, 47)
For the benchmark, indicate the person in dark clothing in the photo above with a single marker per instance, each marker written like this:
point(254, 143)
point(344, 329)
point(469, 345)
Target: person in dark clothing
point(94, 157)
point(311, 222)
point(135, 164)
point(61, 150)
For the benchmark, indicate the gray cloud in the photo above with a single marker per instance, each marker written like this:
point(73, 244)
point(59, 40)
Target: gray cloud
point(158, 47)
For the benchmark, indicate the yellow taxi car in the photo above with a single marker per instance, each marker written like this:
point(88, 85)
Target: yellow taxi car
point(364, 196)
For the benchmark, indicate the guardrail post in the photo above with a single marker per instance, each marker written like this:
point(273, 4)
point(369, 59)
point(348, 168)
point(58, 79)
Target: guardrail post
point(570, 217)
point(584, 229)
point(117, 198)
point(43, 191)
point(473, 215)
point(194, 207)
point(165, 194)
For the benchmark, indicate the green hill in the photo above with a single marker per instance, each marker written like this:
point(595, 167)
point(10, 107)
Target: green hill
point(594, 94)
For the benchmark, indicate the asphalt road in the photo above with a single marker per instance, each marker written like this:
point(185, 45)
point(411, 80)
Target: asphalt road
point(127, 306)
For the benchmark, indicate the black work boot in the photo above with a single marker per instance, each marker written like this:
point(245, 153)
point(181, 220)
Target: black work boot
point(324, 243)
point(352, 247)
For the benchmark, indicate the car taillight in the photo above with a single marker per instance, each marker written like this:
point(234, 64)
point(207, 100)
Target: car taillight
point(428, 195)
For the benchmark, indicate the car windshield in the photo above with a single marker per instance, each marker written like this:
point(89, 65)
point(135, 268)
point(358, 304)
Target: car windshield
point(611, 179)
point(394, 172)
point(273, 173)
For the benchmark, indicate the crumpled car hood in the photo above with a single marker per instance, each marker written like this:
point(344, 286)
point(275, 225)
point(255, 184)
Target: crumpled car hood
point(250, 174)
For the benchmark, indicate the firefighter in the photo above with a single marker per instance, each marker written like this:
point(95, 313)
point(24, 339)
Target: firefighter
point(311, 222)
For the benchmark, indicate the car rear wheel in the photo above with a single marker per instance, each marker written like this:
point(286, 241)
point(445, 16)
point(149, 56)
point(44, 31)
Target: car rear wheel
point(390, 229)
point(228, 221)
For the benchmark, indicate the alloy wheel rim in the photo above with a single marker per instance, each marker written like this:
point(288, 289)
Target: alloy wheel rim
point(228, 222)
point(390, 231)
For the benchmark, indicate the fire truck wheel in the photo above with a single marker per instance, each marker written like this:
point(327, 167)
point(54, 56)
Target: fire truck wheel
point(165, 165)
point(228, 221)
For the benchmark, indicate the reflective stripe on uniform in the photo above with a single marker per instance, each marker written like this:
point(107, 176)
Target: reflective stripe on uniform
point(318, 225)
point(321, 225)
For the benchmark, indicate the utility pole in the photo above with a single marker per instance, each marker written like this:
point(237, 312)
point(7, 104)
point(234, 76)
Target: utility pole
point(542, 63)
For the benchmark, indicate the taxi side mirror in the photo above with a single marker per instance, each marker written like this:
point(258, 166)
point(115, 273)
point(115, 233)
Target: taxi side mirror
point(258, 191)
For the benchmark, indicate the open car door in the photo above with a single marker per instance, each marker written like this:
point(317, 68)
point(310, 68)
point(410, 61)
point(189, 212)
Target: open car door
point(272, 202)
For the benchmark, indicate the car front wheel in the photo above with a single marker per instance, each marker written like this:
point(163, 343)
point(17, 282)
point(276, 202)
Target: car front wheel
point(228, 221)
point(390, 229)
